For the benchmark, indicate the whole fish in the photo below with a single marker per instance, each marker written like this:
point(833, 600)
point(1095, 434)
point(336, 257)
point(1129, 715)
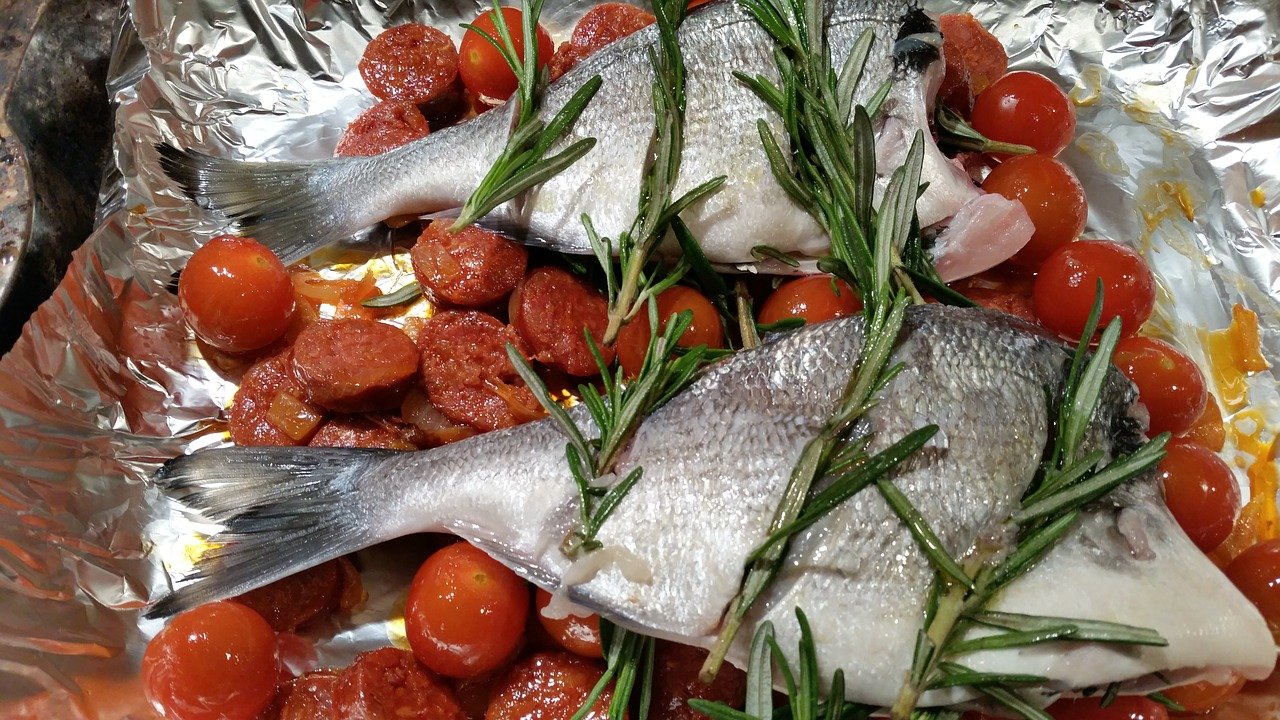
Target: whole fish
point(715, 461)
point(296, 208)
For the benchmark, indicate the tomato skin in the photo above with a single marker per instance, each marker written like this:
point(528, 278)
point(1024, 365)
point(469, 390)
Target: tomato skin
point(1201, 697)
point(633, 338)
point(1208, 430)
point(1125, 707)
point(1169, 383)
point(466, 612)
point(1066, 287)
point(811, 299)
point(482, 68)
point(1256, 572)
point(1053, 197)
point(215, 662)
point(1200, 491)
point(1025, 108)
point(577, 634)
point(236, 294)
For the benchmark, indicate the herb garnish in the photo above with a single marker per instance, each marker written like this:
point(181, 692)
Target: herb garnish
point(955, 132)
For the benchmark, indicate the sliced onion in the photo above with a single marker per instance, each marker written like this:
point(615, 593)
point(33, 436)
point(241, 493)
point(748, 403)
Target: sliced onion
point(294, 417)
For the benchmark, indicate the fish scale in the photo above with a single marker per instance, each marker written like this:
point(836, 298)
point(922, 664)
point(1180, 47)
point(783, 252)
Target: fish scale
point(716, 460)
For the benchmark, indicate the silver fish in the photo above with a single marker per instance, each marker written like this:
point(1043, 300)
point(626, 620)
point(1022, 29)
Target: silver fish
point(295, 208)
point(716, 459)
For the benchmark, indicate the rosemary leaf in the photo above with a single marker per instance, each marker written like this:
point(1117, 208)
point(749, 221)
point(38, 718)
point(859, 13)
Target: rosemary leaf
point(956, 133)
point(1166, 701)
point(1015, 639)
point(1091, 630)
point(929, 543)
point(763, 252)
point(759, 695)
point(956, 675)
point(1010, 700)
point(408, 292)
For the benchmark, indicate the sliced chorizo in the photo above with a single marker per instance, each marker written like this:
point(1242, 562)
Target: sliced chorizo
point(383, 127)
point(549, 309)
point(354, 365)
point(266, 384)
point(410, 62)
point(356, 431)
point(974, 59)
point(303, 598)
point(309, 697)
point(388, 684)
point(601, 25)
point(467, 374)
point(470, 268)
point(549, 686)
point(675, 683)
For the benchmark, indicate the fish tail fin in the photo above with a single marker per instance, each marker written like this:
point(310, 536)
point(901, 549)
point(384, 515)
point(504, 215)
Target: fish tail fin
point(284, 509)
point(293, 208)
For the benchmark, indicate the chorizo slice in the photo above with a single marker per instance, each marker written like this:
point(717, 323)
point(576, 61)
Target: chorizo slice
point(355, 431)
point(601, 25)
point(471, 268)
point(974, 59)
point(383, 127)
point(549, 310)
point(467, 374)
point(269, 383)
point(675, 683)
point(354, 365)
point(410, 62)
point(309, 697)
point(549, 686)
point(388, 684)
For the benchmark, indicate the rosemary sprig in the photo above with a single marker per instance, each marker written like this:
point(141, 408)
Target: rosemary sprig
point(956, 133)
point(628, 665)
point(522, 164)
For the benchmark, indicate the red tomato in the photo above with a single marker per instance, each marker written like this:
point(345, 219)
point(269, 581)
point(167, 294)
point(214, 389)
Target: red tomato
point(1127, 707)
point(483, 70)
point(575, 633)
point(1201, 493)
point(1052, 196)
point(633, 339)
point(465, 614)
point(1025, 108)
point(236, 294)
point(1169, 383)
point(1208, 429)
point(1256, 572)
point(214, 662)
point(1199, 698)
point(813, 299)
point(1067, 284)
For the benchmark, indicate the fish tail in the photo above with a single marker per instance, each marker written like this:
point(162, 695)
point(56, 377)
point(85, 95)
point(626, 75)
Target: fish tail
point(293, 208)
point(284, 509)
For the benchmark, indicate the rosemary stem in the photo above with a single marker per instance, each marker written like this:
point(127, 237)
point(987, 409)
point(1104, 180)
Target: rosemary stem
point(627, 292)
point(746, 322)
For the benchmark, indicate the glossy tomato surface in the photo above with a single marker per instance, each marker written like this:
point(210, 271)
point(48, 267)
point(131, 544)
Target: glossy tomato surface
point(578, 634)
point(214, 662)
point(482, 67)
point(706, 329)
point(814, 299)
point(1065, 289)
point(1025, 108)
point(1053, 197)
point(236, 294)
point(1201, 492)
point(1169, 383)
point(466, 612)
point(1256, 572)
point(1129, 707)
point(1201, 697)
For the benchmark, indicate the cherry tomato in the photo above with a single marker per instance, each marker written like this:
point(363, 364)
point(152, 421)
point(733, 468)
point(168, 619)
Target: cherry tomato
point(1053, 197)
point(1256, 572)
point(1126, 707)
point(575, 633)
point(1025, 108)
point(1065, 289)
point(214, 662)
point(1169, 383)
point(1201, 697)
point(236, 294)
point(812, 299)
point(465, 614)
point(549, 686)
point(1201, 492)
point(633, 339)
point(1208, 429)
point(482, 68)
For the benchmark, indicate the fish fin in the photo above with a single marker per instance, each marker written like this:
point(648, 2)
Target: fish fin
point(283, 509)
point(287, 206)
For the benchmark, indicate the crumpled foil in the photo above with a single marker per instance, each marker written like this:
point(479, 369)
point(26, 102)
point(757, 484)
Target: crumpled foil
point(1178, 146)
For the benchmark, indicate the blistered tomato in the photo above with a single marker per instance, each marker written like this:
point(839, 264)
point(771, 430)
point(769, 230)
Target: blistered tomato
point(482, 67)
point(633, 339)
point(1201, 493)
point(1256, 572)
point(466, 612)
point(214, 662)
point(814, 299)
point(576, 633)
point(1066, 287)
point(1053, 197)
point(1025, 108)
point(1169, 383)
point(236, 294)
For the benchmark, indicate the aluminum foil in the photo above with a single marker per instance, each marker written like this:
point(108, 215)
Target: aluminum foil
point(1178, 146)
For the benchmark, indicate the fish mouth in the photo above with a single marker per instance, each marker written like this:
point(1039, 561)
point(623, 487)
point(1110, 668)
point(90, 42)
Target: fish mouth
point(919, 42)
